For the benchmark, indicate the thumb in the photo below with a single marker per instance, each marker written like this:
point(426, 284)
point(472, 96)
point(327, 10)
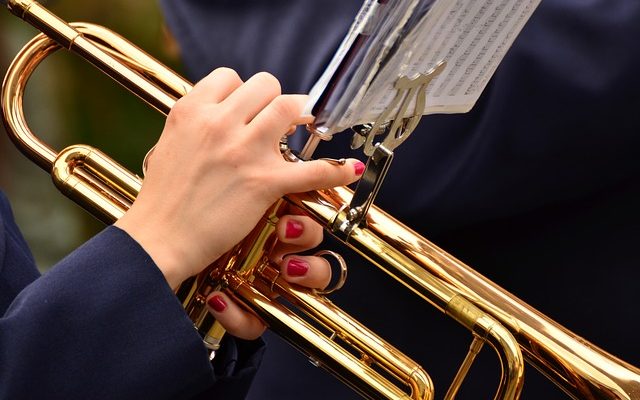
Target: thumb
point(320, 174)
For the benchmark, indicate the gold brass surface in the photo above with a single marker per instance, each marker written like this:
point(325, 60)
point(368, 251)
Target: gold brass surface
point(377, 370)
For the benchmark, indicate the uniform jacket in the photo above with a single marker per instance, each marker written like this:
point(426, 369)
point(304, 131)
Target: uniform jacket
point(104, 324)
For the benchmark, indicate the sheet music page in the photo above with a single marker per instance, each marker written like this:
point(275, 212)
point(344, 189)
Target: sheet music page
point(372, 34)
point(471, 36)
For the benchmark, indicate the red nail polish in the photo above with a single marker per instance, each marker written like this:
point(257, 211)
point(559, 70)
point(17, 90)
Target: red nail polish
point(359, 167)
point(294, 229)
point(217, 303)
point(297, 267)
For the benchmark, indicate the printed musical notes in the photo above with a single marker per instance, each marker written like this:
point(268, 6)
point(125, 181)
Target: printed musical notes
point(404, 38)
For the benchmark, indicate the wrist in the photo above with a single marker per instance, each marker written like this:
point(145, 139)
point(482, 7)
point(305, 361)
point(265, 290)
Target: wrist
point(168, 255)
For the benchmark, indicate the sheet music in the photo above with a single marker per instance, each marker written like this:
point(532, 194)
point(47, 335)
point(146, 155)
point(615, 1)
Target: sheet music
point(471, 36)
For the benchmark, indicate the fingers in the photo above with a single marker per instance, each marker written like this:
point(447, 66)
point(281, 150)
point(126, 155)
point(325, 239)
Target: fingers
point(302, 120)
point(216, 86)
point(280, 114)
point(258, 96)
point(270, 115)
point(309, 271)
point(319, 174)
point(296, 233)
point(252, 97)
point(235, 320)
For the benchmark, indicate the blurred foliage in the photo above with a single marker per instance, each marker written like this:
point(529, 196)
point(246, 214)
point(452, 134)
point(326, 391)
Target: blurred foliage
point(68, 101)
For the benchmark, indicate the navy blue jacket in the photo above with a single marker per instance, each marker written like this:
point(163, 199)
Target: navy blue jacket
point(104, 324)
point(537, 187)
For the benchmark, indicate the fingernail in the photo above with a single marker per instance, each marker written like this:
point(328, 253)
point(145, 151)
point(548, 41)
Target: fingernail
point(217, 303)
point(297, 267)
point(359, 167)
point(294, 229)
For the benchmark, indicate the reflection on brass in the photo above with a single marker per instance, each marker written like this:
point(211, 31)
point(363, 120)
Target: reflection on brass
point(335, 341)
point(343, 271)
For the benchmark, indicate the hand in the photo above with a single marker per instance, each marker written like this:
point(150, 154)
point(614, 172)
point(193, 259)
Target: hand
point(217, 168)
point(295, 233)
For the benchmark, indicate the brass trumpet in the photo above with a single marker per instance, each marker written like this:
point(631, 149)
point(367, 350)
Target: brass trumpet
point(350, 351)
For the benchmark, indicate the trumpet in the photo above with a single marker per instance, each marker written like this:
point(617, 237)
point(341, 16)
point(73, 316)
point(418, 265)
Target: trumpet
point(332, 340)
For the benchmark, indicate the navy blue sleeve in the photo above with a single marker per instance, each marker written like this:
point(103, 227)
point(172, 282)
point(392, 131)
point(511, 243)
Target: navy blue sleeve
point(103, 323)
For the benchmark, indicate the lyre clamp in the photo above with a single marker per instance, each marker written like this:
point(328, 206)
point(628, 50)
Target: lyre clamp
point(395, 127)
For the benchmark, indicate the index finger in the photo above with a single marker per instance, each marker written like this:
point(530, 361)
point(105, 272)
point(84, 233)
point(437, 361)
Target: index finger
point(280, 114)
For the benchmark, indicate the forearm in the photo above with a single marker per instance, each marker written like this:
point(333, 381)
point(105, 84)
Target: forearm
point(103, 318)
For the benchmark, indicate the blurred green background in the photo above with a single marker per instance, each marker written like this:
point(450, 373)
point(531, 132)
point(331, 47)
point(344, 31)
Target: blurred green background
point(69, 102)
